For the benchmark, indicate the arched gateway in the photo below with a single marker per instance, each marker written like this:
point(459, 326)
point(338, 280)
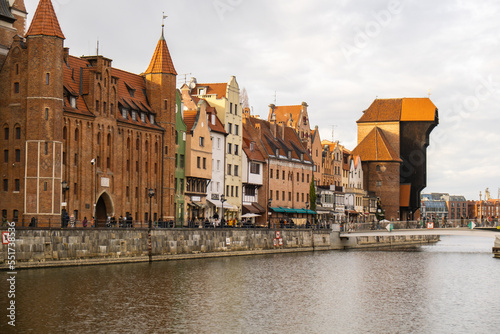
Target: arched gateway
point(104, 208)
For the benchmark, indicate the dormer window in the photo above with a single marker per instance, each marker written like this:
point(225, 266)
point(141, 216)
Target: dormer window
point(152, 119)
point(252, 144)
point(213, 119)
point(72, 101)
point(201, 91)
point(134, 115)
point(124, 113)
point(143, 117)
point(289, 154)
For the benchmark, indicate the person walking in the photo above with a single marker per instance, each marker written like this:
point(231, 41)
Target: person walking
point(84, 222)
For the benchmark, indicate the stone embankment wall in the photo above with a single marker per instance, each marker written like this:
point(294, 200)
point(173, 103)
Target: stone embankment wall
point(65, 247)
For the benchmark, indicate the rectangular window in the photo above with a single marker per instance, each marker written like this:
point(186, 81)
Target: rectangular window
point(232, 191)
point(227, 190)
point(165, 104)
point(236, 129)
point(277, 174)
point(218, 143)
point(16, 87)
point(283, 175)
point(297, 197)
point(6, 133)
point(18, 155)
point(218, 165)
point(204, 163)
point(229, 128)
point(236, 170)
point(289, 196)
point(307, 178)
point(198, 162)
point(47, 78)
point(302, 177)
point(236, 109)
point(97, 106)
point(176, 160)
point(237, 193)
point(277, 195)
point(46, 113)
point(302, 197)
point(166, 150)
point(271, 174)
point(271, 194)
point(283, 195)
point(17, 185)
point(254, 168)
point(229, 148)
point(45, 186)
point(236, 149)
point(181, 161)
point(6, 156)
point(136, 192)
point(18, 133)
point(124, 113)
point(231, 107)
point(5, 184)
point(108, 162)
point(202, 141)
point(229, 167)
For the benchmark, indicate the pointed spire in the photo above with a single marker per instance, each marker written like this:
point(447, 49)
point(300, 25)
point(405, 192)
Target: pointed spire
point(45, 21)
point(161, 61)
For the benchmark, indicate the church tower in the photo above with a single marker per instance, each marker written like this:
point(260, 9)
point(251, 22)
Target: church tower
point(43, 86)
point(161, 87)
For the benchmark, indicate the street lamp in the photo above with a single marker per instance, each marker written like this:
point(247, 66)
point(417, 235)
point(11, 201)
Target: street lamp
point(151, 193)
point(269, 202)
point(65, 188)
point(307, 212)
point(93, 163)
point(222, 199)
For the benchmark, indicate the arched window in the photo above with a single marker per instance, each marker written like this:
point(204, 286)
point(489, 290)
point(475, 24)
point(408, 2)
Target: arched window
point(76, 134)
point(128, 143)
point(146, 146)
point(137, 144)
point(109, 139)
point(64, 133)
point(98, 138)
point(156, 147)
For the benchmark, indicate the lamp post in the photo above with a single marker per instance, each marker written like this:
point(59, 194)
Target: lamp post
point(269, 202)
point(65, 188)
point(222, 200)
point(151, 193)
point(307, 212)
point(93, 163)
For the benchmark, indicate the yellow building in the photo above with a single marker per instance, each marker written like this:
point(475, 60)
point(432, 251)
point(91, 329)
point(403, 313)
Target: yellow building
point(225, 98)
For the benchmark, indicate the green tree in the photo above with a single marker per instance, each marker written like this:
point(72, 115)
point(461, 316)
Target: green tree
point(312, 195)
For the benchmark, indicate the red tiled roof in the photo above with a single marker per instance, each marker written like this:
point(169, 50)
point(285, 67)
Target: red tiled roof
point(255, 154)
point(161, 62)
point(395, 110)
point(375, 147)
point(190, 119)
point(219, 89)
point(283, 113)
point(45, 21)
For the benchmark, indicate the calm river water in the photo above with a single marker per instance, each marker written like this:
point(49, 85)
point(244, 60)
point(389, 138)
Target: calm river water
point(451, 287)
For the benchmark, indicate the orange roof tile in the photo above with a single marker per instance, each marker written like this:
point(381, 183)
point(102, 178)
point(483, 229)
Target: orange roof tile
point(190, 119)
point(45, 21)
point(395, 110)
point(219, 89)
point(375, 147)
point(161, 62)
point(283, 113)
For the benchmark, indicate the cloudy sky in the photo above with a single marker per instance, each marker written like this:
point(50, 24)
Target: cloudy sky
point(337, 56)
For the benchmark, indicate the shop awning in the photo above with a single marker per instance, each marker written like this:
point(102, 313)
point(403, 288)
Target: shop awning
point(277, 210)
point(218, 204)
point(249, 208)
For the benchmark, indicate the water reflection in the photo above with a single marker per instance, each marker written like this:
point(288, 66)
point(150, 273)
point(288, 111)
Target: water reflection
point(436, 290)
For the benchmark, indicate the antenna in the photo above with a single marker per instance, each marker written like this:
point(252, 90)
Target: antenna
point(429, 93)
point(97, 49)
point(333, 132)
point(274, 97)
point(185, 77)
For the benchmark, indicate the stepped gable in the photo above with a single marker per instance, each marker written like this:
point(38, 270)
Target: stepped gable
point(45, 21)
point(375, 147)
point(161, 62)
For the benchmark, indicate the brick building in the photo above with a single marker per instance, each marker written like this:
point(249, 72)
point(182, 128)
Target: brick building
point(108, 133)
point(393, 135)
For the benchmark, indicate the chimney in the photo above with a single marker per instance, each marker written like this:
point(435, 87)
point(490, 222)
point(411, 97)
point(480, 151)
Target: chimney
point(273, 113)
point(66, 54)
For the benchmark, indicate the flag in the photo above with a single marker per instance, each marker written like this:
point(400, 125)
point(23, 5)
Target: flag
point(389, 227)
point(471, 225)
